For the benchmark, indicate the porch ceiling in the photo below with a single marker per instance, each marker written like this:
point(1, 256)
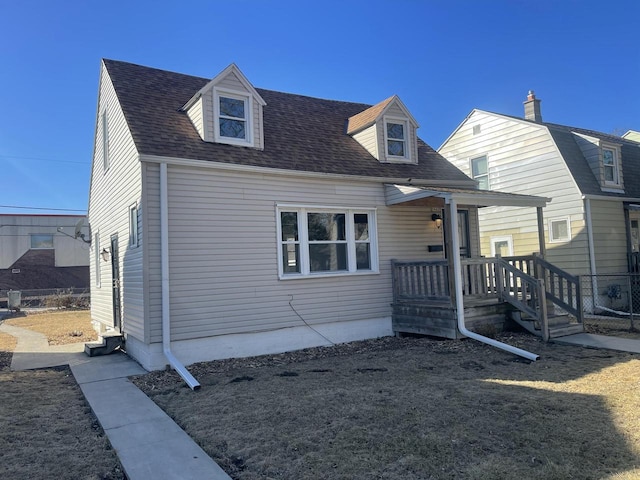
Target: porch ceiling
point(397, 194)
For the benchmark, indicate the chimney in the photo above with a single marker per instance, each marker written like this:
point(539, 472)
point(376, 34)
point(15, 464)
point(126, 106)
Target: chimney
point(532, 108)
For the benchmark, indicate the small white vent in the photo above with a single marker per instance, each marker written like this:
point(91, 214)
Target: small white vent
point(15, 270)
point(476, 129)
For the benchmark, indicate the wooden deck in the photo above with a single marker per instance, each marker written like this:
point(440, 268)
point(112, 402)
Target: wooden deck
point(424, 303)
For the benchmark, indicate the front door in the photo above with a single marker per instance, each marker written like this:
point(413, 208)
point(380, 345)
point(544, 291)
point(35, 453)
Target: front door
point(463, 232)
point(115, 279)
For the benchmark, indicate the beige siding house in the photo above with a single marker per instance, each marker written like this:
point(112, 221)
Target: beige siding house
point(592, 223)
point(232, 221)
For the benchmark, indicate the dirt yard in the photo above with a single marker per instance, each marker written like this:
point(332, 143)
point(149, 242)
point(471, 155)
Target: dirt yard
point(414, 408)
point(47, 429)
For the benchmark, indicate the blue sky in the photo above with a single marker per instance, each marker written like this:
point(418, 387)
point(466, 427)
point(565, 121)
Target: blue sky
point(442, 57)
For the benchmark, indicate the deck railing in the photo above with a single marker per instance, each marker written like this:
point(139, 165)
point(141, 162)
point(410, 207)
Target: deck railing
point(514, 279)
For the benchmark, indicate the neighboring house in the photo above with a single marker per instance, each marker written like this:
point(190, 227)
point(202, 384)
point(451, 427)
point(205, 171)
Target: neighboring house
point(42, 252)
point(231, 221)
point(591, 225)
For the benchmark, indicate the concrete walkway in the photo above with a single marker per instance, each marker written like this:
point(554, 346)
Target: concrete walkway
point(601, 341)
point(148, 443)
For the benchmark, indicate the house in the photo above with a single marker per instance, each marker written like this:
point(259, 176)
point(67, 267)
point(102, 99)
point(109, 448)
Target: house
point(43, 252)
point(592, 224)
point(229, 220)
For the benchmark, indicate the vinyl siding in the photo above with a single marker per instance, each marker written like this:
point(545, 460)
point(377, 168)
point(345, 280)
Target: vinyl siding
point(195, 115)
point(112, 193)
point(223, 253)
point(522, 158)
point(609, 236)
point(368, 139)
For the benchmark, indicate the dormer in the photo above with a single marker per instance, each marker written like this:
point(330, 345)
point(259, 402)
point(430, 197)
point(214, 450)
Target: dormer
point(387, 130)
point(605, 159)
point(228, 110)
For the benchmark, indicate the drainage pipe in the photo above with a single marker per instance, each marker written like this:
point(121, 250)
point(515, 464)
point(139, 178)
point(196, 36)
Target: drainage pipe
point(164, 256)
point(457, 272)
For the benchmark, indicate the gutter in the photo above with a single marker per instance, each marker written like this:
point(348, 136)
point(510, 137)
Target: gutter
point(164, 260)
point(457, 269)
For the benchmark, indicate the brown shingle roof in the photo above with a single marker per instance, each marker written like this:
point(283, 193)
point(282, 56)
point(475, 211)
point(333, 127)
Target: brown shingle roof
point(367, 117)
point(301, 133)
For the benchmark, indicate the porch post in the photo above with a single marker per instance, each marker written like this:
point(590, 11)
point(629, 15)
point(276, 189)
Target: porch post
point(543, 250)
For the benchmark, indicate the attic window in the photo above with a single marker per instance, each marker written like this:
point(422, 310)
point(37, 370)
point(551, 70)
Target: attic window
point(233, 123)
point(396, 139)
point(610, 165)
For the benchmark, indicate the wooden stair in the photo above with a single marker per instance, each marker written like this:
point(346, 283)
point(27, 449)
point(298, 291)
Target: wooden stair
point(559, 325)
point(109, 343)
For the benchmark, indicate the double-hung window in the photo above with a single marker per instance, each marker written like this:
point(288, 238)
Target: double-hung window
point(233, 119)
point(396, 138)
point(320, 241)
point(610, 165)
point(480, 172)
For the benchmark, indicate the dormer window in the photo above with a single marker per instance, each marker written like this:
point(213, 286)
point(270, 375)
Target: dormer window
point(610, 165)
point(396, 139)
point(232, 118)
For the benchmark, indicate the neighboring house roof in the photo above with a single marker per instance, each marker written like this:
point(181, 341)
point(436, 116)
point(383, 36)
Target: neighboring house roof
point(565, 139)
point(301, 133)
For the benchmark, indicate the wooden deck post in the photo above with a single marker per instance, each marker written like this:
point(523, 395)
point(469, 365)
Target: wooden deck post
point(543, 250)
point(542, 303)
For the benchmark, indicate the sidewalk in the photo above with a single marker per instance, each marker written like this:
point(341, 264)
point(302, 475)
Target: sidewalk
point(601, 341)
point(148, 443)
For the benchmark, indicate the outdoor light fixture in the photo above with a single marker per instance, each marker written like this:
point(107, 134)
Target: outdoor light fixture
point(105, 254)
point(438, 219)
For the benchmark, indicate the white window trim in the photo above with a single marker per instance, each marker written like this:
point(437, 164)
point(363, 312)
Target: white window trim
point(303, 240)
point(248, 99)
point(106, 160)
point(616, 166)
point(133, 226)
point(502, 238)
point(551, 221)
point(407, 141)
point(486, 159)
point(97, 258)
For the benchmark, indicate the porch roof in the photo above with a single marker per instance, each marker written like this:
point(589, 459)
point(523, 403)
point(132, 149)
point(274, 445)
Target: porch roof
point(396, 194)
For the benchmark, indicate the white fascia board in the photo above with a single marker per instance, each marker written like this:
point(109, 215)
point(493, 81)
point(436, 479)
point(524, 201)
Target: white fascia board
point(296, 173)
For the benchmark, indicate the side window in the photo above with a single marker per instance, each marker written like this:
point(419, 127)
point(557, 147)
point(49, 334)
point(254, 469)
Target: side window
point(559, 230)
point(97, 257)
point(133, 225)
point(480, 172)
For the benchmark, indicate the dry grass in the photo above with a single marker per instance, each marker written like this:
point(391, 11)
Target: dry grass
point(414, 408)
point(47, 429)
point(60, 327)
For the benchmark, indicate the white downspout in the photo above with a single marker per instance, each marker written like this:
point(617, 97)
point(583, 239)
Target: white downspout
point(457, 275)
point(164, 256)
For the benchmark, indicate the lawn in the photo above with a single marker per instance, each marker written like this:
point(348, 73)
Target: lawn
point(414, 408)
point(47, 429)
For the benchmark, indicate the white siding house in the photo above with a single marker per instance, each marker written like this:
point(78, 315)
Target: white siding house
point(231, 221)
point(593, 179)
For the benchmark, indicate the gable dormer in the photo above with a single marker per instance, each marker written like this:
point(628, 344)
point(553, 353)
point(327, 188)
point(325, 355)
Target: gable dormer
point(228, 110)
point(387, 130)
point(605, 159)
